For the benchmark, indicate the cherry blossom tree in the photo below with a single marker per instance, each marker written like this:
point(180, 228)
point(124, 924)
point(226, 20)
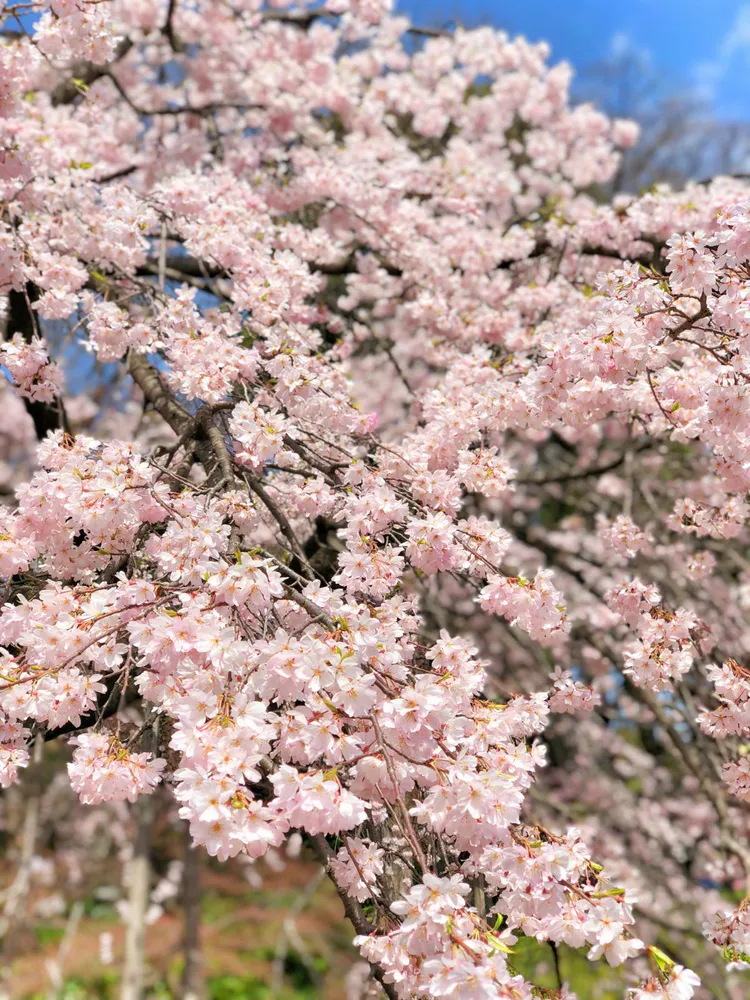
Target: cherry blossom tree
point(409, 512)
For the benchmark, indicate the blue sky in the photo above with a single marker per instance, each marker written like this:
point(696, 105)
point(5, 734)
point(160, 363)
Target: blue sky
point(697, 45)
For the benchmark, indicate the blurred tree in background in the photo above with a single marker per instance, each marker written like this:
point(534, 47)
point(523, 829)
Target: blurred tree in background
point(682, 137)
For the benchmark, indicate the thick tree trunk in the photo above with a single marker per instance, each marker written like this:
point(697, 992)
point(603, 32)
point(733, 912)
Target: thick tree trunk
point(134, 969)
point(14, 900)
point(133, 972)
point(193, 985)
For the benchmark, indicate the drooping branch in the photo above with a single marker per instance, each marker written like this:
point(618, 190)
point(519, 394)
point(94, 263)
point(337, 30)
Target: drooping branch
point(353, 910)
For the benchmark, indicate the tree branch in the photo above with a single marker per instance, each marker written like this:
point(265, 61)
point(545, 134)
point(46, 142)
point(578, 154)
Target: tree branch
point(353, 910)
point(46, 416)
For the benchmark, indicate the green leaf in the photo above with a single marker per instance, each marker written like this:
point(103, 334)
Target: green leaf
point(499, 945)
point(662, 960)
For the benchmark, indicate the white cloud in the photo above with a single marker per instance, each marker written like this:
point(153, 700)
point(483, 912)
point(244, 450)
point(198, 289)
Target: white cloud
point(708, 75)
point(738, 36)
point(622, 46)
